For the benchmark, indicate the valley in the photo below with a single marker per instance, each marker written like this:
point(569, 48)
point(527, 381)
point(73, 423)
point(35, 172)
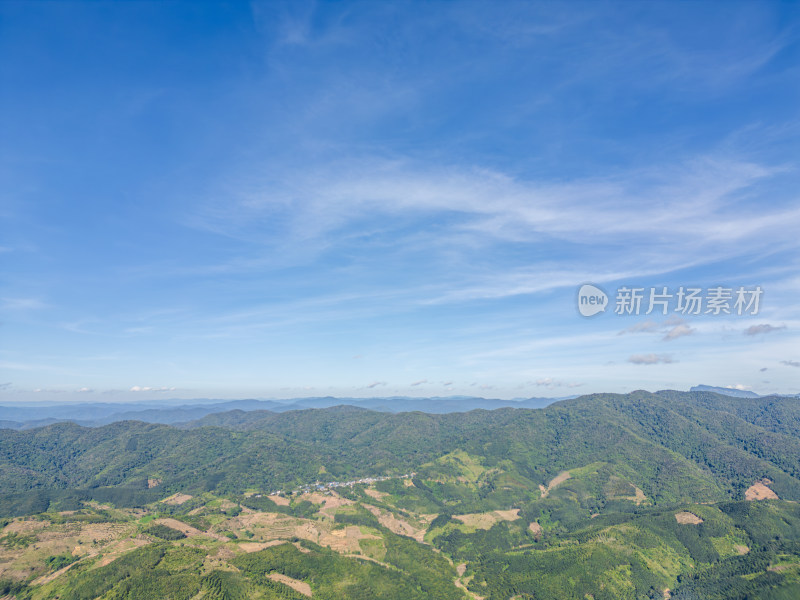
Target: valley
point(582, 499)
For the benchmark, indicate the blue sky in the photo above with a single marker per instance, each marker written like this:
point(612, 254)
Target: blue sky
point(292, 199)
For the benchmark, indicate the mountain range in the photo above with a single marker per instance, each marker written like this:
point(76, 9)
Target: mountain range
point(607, 496)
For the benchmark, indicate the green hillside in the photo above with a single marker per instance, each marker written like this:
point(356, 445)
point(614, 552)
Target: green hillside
point(603, 496)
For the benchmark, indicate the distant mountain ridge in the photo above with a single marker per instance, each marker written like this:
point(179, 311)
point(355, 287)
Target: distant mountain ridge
point(675, 446)
point(194, 412)
point(736, 393)
point(98, 414)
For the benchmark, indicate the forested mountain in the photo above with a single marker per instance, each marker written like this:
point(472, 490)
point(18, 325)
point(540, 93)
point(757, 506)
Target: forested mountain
point(617, 496)
point(719, 444)
point(176, 411)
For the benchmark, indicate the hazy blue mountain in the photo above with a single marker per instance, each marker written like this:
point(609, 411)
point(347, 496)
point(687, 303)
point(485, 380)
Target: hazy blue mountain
point(167, 412)
point(724, 391)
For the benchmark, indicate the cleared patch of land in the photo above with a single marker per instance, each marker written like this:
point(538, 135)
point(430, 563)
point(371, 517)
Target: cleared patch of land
point(556, 481)
point(488, 519)
point(176, 499)
point(187, 530)
point(256, 546)
point(395, 524)
point(536, 529)
point(687, 518)
point(295, 584)
point(375, 494)
point(269, 527)
point(760, 491)
point(330, 500)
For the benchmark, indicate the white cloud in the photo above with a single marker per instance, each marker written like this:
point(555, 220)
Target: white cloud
point(738, 386)
point(549, 382)
point(673, 320)
point(678, 331)
point(673, 202)
point(763, 328)
point(138, 388)
point(688, 214)
point(645, 326)
point(650, 359)
point(676, 328)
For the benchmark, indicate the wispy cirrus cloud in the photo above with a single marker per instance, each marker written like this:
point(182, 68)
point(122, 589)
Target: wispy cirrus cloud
point(22, 304)
point(687, 213)
point(497, 205)
point(549, 382)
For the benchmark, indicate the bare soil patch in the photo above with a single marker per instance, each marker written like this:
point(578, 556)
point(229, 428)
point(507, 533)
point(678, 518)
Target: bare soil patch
point(760, 491)
point(176, 499)
point(345, 541)
point(188, 530)
point(536, 529)
point(557, 480)
point(120, 548)
point(295, 584)
point(24, 526)
point(256, 546)
point(488, 519)
point(329, 501)
point(302, 548)
point(180, 526)
point(779, 568)
point(507, 515)
point(279, 500)
point(740, 549)
point(687, 518)
point(396, 525)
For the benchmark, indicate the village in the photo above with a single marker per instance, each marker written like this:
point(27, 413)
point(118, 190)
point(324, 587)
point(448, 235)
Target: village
point(332, 485)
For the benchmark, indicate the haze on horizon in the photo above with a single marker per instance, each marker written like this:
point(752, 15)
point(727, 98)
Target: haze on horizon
point(291, 199)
